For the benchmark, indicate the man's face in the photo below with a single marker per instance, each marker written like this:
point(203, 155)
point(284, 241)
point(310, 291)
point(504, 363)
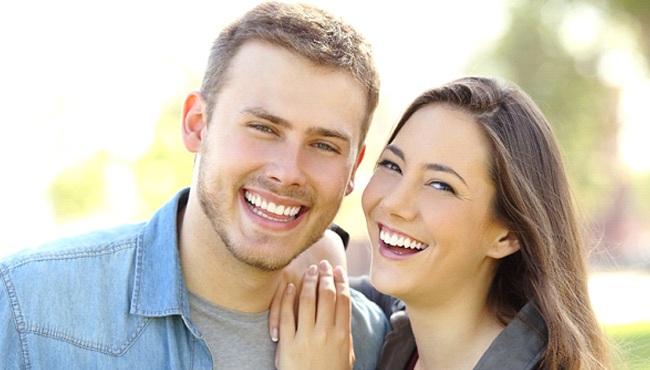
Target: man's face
point(279, 153)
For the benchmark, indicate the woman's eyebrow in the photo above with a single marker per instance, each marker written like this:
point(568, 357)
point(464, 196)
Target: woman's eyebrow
point(428, 166)
point(395, 150)
point(443, 168)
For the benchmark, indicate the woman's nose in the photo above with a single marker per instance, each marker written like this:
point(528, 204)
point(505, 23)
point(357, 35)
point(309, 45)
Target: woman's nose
point(400, 200)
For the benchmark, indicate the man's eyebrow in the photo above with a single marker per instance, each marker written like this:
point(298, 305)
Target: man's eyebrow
point(317, 131)
point(266, 115)
point(429, 166)
point(331, 133)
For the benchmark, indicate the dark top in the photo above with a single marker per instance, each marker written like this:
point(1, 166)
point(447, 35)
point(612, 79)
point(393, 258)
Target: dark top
point(520, 346)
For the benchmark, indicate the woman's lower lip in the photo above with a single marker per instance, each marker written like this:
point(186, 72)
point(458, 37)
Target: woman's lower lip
point(395, 253)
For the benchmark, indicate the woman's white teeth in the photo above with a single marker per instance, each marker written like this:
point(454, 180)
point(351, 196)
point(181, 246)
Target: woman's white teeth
point(271, 207)
point(400, 241)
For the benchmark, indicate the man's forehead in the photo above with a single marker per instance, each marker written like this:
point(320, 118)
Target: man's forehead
point(294, 89)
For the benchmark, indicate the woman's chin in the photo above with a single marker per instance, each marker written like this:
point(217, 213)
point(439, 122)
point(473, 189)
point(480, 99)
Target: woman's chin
point(387, 281)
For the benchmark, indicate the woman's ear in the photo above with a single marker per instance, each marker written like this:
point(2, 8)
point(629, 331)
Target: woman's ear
point(506, 244)
point(193, 121)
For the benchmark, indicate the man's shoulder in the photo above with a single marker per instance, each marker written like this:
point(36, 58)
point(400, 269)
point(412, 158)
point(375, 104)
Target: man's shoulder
point(369, 326)
point(73, 266)
point(85, 279)
point(98, 243)
point(367, 314)
point(74, 297)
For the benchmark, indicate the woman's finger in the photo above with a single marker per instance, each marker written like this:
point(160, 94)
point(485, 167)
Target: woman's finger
point(308, 298)
point(287, 316)
point(274, 312)
point(326, 297)
point(287, 325)
point(343, 309)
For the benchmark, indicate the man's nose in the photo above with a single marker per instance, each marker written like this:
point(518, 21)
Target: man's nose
point(287, 167)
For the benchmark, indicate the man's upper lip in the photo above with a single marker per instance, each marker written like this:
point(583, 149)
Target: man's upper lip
point(275, 198)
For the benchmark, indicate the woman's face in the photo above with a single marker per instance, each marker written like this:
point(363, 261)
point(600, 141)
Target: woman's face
point(428, 211)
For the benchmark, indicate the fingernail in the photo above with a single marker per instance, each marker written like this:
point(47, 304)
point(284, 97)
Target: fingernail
point(325, 265)
point(291, 289)
point(312, 270)
point(274, 335)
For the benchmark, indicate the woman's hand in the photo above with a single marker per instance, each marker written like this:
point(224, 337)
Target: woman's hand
point(330, 247)
point(318, 336)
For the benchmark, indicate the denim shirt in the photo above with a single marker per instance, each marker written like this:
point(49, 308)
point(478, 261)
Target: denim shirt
point(117, 299)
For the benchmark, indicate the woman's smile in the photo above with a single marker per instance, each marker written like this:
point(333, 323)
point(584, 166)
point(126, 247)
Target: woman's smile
point(394, 244)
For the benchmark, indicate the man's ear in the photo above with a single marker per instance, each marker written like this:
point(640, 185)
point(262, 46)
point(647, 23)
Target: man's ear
point(362, 153)
point(506, 244)
point(193, 121)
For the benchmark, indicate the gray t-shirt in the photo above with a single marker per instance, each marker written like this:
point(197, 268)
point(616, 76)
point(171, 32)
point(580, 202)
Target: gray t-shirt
point(241, 341)
point(236, 340)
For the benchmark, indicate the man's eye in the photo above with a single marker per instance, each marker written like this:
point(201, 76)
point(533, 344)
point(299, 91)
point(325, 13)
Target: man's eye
point(262, 128)
point(326, 147)
point(389, 165)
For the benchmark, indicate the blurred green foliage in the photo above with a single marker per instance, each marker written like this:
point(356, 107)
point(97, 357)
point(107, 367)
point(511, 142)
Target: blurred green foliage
point(81, 188)
point(637, 12)
point(632, 345)
point(166, 167)
point(163, 169)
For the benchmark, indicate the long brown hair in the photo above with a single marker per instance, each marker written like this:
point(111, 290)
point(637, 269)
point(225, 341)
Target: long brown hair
point(533, 199)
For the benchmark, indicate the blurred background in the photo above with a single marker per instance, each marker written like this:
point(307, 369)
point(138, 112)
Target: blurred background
point(90, 97)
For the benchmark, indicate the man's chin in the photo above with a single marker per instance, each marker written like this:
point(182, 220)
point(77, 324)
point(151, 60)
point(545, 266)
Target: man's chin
point(264, 254)
point(264, 263)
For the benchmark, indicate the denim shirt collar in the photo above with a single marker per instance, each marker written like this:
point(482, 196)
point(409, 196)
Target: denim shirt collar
point(159, 287)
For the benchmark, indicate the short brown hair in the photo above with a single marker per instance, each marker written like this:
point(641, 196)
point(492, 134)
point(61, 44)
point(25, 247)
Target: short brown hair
point(302, 29)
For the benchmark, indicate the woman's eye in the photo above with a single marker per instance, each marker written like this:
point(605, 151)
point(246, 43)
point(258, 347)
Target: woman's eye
point(442, 186)
point(389, 165)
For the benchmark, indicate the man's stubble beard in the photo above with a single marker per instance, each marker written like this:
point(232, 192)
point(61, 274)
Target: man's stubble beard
point(211, 206)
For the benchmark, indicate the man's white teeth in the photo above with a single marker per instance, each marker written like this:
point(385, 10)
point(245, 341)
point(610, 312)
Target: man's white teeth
point(400, 241)
point(271, 207)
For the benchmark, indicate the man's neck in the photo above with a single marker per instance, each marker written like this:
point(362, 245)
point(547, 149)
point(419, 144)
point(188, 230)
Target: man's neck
point(213, 273)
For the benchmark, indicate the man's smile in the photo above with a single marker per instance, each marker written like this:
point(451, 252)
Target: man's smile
point(271, 210)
